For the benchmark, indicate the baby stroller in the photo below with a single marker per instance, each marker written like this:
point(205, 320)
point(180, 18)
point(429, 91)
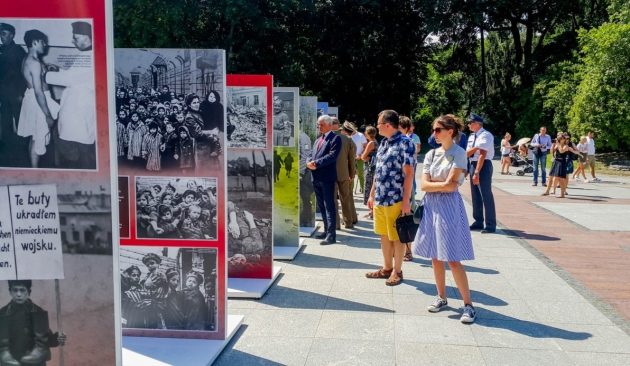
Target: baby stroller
point(519, 160)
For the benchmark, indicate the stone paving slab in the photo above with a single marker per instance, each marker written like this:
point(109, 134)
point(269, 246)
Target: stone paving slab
point(593, 217)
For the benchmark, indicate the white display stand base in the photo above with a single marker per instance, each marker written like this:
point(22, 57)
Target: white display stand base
point(287, 253)
point(307, 231)
point(251, 288)
point(150, 351)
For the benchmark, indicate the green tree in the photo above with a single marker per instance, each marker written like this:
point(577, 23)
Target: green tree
point(602, 99)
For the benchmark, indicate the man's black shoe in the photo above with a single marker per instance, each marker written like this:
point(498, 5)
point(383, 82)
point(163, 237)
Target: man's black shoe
point(488, 231)
point(476, 227)
point(321, 236)
point(328, 241)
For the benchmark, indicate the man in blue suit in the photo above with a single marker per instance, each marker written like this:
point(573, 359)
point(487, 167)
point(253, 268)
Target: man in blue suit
point(323, 167)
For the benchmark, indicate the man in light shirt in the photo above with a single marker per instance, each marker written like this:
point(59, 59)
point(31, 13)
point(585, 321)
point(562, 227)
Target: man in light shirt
point(359, 141)
point(480, 151)
point(541, 144)
point(76, 147)
point(590, 155)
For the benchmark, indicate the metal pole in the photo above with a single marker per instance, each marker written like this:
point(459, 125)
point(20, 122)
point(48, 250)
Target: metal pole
point(59, 325)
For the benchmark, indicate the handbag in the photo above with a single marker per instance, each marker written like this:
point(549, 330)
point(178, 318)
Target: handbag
point(406, 228)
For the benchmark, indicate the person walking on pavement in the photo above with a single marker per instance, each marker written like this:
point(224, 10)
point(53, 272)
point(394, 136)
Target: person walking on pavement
point(390, 195)
point(442, 234)
point(541, 144)
point(346, 170)
point(590, 155)
point(323, 167)
point(360, 141)
point(480, 151)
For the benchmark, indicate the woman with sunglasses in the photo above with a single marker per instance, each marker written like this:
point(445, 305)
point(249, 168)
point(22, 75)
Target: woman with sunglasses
point(443, 234)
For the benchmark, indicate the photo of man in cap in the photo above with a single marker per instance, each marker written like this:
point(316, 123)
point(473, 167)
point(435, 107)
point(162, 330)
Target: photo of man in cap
point(12, 84)
point(76, 145)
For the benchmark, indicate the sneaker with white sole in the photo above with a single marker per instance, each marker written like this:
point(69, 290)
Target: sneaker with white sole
point(469, 314)
point(437, 305)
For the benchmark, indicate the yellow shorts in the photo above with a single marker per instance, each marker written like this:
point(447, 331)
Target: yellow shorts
point(385, 220)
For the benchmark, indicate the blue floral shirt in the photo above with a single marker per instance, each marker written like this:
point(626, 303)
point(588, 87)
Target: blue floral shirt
point(392, 155)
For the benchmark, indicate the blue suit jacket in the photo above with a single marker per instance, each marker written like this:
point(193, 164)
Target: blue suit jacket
point(325, 158)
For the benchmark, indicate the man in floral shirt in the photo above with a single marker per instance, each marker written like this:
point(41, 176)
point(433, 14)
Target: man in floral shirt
point(391, 193)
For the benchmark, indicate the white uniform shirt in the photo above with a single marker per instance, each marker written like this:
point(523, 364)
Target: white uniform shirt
point(360, 141)
point(483, 140)
point(590, 143)
point(77, 113)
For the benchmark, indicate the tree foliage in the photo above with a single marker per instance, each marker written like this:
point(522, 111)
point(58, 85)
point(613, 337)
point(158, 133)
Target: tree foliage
point(558, 63)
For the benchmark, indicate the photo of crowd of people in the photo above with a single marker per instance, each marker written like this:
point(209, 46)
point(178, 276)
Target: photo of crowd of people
point(247, 117)
point(47, 97)
point(249, 213)
point(170, 115)
point(167, 288)
point(176, 208)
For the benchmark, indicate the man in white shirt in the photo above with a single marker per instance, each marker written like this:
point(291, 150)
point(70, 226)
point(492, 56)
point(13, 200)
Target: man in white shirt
point(76, 147)
point(590, 155)
point(359, 141)
point(541, 144)
point(480, 151)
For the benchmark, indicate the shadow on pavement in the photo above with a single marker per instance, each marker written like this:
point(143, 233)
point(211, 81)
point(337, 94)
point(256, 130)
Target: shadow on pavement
point(290, 298)
point(319, 261)
point(524, 235)
point(230, 356)
point(525, 327)
point(477, 296)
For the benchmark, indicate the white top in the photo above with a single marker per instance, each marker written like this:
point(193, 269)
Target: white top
point(483, 140)
point(590, 143)
point(360, 141)
point(438, 163)
point(583, 148)
point(505, 147)
point(77, 113)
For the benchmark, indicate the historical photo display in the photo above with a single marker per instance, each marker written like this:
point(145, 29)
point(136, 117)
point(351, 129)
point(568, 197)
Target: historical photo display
point(47, 95)
point(286, 172)
point(176, 208)
point(249, 213)
point(168, 288)
point(170, 111)
point(247, 117)
point(308, 135)
point(284, 119)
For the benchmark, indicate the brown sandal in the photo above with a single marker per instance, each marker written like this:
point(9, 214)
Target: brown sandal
point(381, 273)
point(408, 255)
point(395, 280)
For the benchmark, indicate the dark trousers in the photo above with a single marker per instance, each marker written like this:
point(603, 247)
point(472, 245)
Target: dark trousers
point(9, 115)
point(74, 155)
point(482, 198)
point(324, 193)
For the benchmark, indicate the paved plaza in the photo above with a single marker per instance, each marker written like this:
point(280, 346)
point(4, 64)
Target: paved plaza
point(551, 287)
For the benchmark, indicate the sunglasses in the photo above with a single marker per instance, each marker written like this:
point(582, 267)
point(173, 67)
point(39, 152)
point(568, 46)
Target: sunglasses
point(438, 129)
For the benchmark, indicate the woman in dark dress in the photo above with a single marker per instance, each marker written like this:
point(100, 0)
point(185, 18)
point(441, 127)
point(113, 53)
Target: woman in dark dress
point(368, 154)
point(558, 173)
point(212, 112)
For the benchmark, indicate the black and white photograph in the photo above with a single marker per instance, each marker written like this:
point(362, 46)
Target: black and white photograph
point(283, 119)
point(308, 135)
point(249, 213)
point(247, 117)
point(170, 110)
point(47, 95)
point(176, 208)
point(168, 288)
